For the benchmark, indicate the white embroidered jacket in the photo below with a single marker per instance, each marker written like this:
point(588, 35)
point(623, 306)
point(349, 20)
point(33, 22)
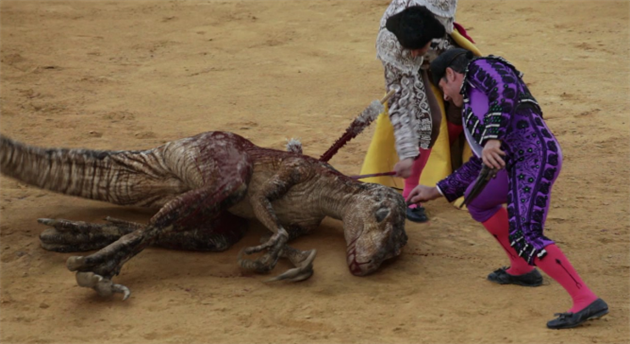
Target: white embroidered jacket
point(409, 109)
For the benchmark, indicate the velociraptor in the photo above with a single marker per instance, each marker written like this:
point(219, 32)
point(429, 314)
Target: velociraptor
point(203, 187)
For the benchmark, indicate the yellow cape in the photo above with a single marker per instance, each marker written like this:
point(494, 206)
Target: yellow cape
point(381, 155)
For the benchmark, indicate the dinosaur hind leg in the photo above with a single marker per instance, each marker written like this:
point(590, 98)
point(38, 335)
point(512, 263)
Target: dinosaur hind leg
point(215, 236)
point(185, 211)
point(78, 236)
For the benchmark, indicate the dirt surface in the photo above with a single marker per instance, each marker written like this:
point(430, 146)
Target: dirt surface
point(132, 75)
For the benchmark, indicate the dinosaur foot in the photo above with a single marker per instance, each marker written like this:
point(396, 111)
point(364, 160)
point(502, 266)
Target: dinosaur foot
point(99, 278)
point(268, 261)
point(303, 262)
point(96, 270)
point(77, 236)
point(103, 286)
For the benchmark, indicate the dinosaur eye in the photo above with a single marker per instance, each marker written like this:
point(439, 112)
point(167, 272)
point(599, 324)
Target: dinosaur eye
point(381, 214)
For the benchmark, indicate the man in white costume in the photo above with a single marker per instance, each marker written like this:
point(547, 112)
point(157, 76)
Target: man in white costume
point(412, 33)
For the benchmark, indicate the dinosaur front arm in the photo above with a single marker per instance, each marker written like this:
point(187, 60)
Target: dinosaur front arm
point(289, 174)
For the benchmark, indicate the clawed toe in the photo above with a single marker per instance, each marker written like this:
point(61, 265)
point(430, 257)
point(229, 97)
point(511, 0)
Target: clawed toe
point(268, 261)
point(48, 222)
point(263, 264)
point(118, 240)
point(103, 286)
point(130, 226)
point(74, 263)
point(61, 225)
point(302, 271)
point(88, 279)
point(78, 236)
point(255, 249)
point(292, 275)
point(52, 239)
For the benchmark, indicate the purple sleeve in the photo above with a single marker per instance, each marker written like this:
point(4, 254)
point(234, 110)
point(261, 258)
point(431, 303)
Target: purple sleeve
point(454, 186)
point(499, 82)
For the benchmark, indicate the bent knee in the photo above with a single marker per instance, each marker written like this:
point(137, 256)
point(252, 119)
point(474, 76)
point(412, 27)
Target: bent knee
point(482, 214)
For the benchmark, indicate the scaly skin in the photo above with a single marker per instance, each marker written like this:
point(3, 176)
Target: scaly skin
point(203, 187)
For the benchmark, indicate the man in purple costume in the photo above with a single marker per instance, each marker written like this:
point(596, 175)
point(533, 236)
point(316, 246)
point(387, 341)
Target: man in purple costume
point(504, 126)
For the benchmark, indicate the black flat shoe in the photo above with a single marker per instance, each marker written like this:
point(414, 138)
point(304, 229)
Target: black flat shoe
point(595, 310)
point(530, 279)
point(417, 214)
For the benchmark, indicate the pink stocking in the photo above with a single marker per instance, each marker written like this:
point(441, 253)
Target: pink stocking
point(416, 171)
point(499, 227)
point(558, 267)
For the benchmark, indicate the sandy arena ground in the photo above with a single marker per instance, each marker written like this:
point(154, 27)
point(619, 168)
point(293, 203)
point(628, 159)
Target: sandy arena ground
point(132, 75)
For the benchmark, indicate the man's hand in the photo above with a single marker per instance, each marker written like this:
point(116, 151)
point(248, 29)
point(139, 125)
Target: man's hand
point(403, 168)
point(492, 154)
point(423, 193)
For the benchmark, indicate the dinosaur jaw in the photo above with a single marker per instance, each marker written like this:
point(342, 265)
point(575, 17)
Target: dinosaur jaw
point(363, 264)
point(366, 256)
point(358, 268)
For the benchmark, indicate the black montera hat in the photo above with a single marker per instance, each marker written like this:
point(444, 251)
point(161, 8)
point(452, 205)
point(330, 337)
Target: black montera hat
point(445, 60)
point(415, 27)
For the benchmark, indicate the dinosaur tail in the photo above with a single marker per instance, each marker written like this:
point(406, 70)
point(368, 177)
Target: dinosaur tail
point(120, 177)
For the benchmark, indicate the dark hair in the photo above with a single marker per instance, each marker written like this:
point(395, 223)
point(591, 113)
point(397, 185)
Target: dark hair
point(415, 27)
point(455, 58)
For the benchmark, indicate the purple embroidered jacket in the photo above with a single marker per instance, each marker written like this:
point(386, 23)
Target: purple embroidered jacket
point(493, 89)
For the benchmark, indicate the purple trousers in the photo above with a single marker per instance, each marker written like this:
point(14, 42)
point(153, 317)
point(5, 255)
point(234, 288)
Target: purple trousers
point(533, 162)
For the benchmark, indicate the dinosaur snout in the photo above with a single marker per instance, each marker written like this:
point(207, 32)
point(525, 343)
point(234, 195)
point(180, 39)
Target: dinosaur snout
point(360, 269)
point(366, 253)
point(358, 263)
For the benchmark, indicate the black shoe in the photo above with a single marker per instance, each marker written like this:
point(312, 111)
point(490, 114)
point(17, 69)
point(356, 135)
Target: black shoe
point(530, 279)
point(595, 310)
point(417, 214)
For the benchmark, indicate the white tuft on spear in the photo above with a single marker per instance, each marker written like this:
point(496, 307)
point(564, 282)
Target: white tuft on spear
point(357, 126)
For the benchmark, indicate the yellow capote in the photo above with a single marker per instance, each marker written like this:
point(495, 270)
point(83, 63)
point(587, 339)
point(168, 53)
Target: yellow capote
point(381, 155)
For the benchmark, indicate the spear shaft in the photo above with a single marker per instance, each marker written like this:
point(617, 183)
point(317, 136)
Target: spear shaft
point(357, 126)
point(363, 176)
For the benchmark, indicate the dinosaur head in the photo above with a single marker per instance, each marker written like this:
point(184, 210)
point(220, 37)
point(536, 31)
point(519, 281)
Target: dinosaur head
point(374, 228)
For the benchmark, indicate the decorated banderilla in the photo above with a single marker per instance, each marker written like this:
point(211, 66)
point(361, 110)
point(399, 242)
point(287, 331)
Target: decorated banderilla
point(357, 126)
